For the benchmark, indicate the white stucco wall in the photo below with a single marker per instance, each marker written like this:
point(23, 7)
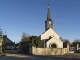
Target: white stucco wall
point(53, 40)
point(49, 32)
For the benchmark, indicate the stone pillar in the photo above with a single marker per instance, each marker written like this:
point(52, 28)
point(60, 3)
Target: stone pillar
point(77, 46)
point(68, 47)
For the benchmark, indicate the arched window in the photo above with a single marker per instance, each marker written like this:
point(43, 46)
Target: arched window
point(53, 46)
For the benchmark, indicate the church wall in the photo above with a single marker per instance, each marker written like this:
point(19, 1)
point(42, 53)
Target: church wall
point(59, 43)
point(48, 51)
point(48, 33)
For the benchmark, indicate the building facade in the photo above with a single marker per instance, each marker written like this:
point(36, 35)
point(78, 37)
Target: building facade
point(50, 38)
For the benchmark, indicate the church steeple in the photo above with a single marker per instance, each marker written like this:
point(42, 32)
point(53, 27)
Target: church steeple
point(48, 14)
point(49, 21)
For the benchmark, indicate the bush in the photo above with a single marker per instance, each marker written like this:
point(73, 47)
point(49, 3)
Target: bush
point(36, 42)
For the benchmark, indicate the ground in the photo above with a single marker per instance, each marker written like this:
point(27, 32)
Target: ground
point(30, 57)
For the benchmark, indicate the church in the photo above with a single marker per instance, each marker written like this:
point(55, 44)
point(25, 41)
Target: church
point(50, 38)
point(51, 41)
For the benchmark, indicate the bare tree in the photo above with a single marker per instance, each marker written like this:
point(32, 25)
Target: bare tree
point(76, 40)
point(25, 37)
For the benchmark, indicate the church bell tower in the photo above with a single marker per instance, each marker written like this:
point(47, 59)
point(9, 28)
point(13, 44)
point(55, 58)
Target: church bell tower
point(49, 21)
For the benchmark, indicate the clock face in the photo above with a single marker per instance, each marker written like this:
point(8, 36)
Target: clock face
point(49, 22)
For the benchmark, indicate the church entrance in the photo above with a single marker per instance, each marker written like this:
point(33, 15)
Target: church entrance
point(53, 45)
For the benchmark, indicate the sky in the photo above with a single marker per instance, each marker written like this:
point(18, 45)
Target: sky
point(18, 16)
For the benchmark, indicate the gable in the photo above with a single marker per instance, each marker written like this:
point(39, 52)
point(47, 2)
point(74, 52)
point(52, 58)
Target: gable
point(59, 43)
point(48, 33)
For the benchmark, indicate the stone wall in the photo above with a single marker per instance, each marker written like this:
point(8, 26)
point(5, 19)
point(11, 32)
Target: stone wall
point(48, 51)
point(1, 39)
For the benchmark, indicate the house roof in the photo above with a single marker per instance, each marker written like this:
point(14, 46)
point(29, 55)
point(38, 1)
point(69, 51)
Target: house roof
point(8, 43)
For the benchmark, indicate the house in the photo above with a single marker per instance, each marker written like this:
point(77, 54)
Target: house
point(5, 42)
point(9, 45)
point(76, 45)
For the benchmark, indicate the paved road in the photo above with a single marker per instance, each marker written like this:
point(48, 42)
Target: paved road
point(35, 58)
point(30, 57)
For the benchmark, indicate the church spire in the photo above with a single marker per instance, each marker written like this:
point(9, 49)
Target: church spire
point(48, 14)
point(49, 21)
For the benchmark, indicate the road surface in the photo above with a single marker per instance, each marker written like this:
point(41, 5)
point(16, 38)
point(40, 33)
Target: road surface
point(30, 57)
point(35, 58)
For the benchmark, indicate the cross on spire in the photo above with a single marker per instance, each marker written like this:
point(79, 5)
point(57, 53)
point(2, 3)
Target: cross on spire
point(48, 14)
